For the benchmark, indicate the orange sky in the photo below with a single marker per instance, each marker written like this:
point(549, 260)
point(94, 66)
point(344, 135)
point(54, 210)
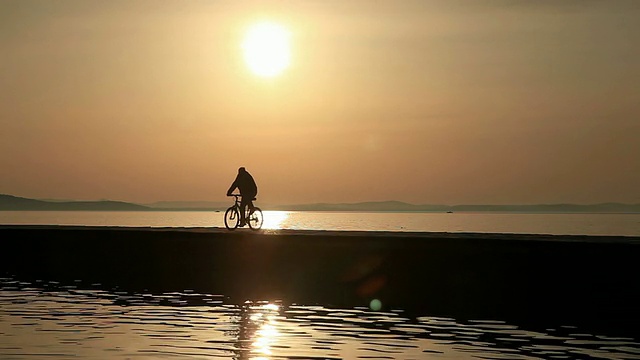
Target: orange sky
point(449, 102)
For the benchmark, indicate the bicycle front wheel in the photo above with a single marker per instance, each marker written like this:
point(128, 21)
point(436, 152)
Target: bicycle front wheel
point(231, 218)
point(255, 219)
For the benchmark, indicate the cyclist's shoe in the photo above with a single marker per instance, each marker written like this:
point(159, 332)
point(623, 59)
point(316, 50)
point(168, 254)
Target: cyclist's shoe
point(242, 224)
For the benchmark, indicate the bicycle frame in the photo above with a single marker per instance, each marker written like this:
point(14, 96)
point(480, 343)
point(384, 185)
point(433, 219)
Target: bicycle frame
point(238, 203)
point(252, 214)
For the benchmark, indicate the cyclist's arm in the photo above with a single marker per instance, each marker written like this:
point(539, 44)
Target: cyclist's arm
point(233, 187)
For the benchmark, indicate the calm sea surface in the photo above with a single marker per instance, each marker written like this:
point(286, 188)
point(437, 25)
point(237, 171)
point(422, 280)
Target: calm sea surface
point(574, 224)
point(45, 319)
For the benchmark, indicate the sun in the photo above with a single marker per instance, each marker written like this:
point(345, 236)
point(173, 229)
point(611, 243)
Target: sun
point(267, 49)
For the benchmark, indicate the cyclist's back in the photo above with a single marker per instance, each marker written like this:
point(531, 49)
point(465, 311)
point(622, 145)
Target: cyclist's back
point(245, 184)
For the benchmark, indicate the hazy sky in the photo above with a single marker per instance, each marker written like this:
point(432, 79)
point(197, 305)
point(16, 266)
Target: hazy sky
point(449, 102)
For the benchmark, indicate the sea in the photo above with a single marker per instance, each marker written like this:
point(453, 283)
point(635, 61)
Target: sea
point(43, 319)
point(482, 222)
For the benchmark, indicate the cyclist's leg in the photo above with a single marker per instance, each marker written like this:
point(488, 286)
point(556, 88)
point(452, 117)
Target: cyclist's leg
point(249, 202)
point(243, 209)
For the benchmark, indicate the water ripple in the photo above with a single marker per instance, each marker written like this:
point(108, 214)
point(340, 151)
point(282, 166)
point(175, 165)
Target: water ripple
point(46, 319)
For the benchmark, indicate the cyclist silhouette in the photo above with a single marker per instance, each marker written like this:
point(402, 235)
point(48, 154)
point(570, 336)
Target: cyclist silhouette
point(248, 189)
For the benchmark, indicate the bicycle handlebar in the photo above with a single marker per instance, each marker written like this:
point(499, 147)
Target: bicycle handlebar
point(240, 195)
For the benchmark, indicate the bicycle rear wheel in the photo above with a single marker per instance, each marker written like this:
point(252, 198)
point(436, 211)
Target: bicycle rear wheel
point(231, 218)
point(255, 220)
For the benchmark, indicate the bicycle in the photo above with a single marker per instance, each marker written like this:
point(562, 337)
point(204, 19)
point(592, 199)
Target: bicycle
point(232, 215)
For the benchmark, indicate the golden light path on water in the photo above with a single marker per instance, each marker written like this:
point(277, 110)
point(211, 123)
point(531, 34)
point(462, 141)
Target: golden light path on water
point(273, 220)
point(263, 319)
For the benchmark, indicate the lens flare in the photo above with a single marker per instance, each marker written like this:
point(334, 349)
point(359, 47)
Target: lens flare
point(375, 305)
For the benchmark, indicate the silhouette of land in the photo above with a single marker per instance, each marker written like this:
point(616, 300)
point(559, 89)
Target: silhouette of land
point(401, 206)
point(589, 281)
point(14, 203)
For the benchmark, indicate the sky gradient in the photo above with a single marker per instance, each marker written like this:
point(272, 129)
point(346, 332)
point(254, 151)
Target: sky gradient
point(439, 102)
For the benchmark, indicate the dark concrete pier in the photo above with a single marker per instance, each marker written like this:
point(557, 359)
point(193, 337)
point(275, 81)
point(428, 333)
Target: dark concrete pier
point(582, 280)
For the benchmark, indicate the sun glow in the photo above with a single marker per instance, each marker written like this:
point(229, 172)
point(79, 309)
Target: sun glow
point(267, 50)
point(274, 219)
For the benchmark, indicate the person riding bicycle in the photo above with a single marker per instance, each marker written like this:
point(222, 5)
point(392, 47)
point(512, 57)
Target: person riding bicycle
point(248, 189)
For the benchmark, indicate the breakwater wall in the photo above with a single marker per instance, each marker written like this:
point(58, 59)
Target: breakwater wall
point(567, 279)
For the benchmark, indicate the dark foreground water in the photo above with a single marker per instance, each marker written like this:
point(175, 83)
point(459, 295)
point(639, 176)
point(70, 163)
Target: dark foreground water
point(48, 320)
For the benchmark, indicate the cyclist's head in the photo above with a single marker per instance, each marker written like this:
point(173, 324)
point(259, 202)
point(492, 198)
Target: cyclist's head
point(241, 170)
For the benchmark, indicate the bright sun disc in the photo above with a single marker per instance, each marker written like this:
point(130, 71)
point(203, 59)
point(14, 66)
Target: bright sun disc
point(266, 49)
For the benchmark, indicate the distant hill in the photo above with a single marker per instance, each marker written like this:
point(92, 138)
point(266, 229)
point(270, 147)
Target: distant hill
point(190, 205)
point(14, 203)
point(554, 208)
point(362, 206)
point(401, 206)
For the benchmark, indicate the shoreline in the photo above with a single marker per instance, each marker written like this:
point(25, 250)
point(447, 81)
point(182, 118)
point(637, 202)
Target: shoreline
point(515, 212)
point(570, 279)
point(426, 235)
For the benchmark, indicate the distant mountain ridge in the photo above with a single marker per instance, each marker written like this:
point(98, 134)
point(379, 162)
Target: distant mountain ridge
point(190, 205)
point(14, 203)
point(406, 207)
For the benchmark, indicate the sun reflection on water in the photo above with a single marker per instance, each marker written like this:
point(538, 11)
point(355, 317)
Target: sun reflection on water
point(273, 219)
point(259, 328)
